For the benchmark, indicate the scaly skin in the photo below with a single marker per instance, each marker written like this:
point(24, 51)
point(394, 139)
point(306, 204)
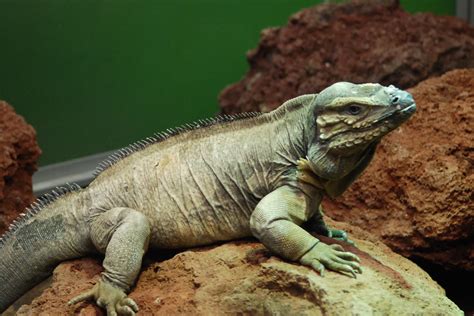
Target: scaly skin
point(263, 176)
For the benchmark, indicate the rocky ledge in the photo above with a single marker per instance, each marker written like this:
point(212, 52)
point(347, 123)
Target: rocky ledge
point(243, 278)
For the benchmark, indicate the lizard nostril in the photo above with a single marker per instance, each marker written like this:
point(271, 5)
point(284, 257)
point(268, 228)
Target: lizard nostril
point(395, 99)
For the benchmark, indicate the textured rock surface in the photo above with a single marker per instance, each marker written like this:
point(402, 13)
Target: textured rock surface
point(243, 278)
point(19, 153)
point(418, 192)
point(358, 42)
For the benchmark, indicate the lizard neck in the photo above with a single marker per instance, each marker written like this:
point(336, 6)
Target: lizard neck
point(331, 167)
point(291, 133)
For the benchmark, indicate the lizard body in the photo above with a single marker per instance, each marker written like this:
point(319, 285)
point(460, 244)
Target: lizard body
point(262, 175)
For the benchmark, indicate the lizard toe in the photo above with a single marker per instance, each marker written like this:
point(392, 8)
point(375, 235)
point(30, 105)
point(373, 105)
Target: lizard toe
point(127, 307)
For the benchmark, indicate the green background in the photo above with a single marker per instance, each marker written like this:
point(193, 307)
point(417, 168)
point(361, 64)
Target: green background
point(92, 76)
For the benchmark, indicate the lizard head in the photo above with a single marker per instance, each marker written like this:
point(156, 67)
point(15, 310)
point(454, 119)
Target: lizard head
point(350, 117)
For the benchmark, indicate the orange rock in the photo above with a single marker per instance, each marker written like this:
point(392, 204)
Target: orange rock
point(19, 153)
point(243, 278)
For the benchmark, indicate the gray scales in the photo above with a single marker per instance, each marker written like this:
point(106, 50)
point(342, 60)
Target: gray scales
point(261, 175)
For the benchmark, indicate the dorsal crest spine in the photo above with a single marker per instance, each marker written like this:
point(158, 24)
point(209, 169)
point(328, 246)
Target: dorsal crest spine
point(168, 133)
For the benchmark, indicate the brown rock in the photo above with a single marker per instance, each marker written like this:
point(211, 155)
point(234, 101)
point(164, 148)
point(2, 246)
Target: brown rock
point(418, 192)
point(243, 278)
point(361, 41)
point(19, 153)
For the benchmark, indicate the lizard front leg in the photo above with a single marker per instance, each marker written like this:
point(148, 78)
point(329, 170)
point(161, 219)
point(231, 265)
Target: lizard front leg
point(276, 223)
point(316, 224)
point(123, 235)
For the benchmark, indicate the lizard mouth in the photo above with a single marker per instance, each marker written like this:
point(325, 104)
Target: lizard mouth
point(407, 109)
point(402, 113)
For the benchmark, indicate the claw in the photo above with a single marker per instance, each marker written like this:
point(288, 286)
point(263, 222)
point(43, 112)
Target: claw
point(111, 310)
point(321, 272)
point(131, 303)
point(125, 310)
point(319, 267)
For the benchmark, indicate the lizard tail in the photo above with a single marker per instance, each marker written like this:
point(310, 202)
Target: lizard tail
point(53, 229)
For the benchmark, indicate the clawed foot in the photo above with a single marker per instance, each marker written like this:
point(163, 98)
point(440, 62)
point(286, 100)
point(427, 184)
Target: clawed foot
point(339, 234)
point(332, 257)
point(107, 296)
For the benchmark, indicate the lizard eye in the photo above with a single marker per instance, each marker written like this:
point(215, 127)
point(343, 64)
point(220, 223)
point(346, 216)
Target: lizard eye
point(353, 109)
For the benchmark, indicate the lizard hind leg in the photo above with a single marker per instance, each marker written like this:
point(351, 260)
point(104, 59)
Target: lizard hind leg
point(123, 235)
